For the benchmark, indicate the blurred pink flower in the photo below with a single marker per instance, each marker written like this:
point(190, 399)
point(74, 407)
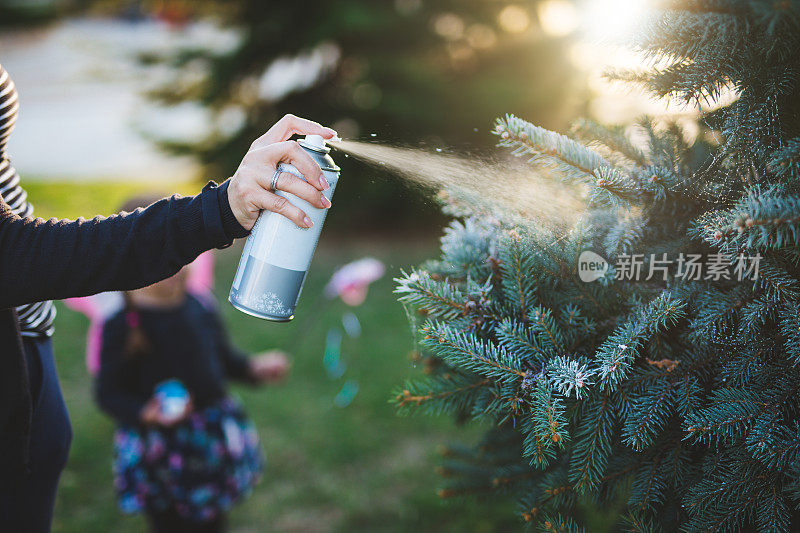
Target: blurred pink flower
point(351, 282)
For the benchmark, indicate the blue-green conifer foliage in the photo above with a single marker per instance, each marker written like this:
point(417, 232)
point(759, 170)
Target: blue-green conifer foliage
point(673, 399)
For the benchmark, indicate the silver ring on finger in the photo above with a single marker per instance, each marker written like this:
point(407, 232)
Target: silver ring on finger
point(275, 176)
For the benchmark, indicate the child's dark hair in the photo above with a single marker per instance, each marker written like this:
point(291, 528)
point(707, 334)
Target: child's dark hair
point(136, 343)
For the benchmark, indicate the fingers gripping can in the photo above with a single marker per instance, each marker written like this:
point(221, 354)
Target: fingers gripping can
point(277, 253)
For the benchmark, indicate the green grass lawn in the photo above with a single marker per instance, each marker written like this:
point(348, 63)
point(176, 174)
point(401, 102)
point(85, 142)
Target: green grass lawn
point(359, 468)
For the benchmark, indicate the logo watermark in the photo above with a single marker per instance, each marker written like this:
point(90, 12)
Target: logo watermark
point(690, 267)
point(591, 266)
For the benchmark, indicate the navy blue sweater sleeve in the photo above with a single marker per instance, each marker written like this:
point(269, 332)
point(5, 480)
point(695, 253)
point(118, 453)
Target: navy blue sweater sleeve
point(55, 259)
point(111, 389)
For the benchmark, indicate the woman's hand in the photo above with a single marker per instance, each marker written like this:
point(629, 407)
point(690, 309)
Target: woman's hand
point(249, 190)
point(270, 366)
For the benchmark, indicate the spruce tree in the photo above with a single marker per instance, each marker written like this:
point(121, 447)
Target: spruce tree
point(672, 397)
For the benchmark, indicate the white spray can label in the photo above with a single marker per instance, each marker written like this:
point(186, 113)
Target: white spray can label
point(277, 253)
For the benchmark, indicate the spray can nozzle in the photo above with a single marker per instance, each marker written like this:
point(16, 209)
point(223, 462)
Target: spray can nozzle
point(315, 140)
point(315, 143)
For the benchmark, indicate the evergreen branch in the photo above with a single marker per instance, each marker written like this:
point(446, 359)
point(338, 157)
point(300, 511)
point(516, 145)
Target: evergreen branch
point(517, 264)
point(564, 267)
point(785, 162)
point(467, 352)
point(744, 366)
point(776, 283)
point(624, 235)
point(650, 415)
point(516, 339)
point(441, 393)
point(687, 397)
point(510, 480)
point(756, 315)
point(790, 329)
point(617, 353)
point(613, 138)
point(765, 219)
point(743, 509)
point(569, 376)
point(727, 419)
point(663, 184)
point(718, 311)
point(546, 429)
point(575, 326)
point(637, 523)
point(648, 485)
point(542, 323)
point(592, 444)
point(622, 473)
point(521, 281)
point(772, 511)
point(725, 496)
point(558, 523)
point(439, 299)
point(551, 492)
point(466, 245)
point(614, 188)
point(774, 444)
point(571, 158)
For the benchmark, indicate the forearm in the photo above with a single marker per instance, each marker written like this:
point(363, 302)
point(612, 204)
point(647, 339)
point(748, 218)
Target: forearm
point(238, 367)
point(42, 260)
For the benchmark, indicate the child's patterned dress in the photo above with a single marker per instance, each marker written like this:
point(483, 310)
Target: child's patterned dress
point(199, 468)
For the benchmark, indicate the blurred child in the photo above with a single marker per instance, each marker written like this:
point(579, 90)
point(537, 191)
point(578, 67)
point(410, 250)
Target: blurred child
point(184, 451)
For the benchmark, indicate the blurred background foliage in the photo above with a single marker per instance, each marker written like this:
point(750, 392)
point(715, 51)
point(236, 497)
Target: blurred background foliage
point(424, 73)
point(402, 70)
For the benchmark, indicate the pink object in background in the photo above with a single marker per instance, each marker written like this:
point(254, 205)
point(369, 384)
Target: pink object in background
point(99, 307)
point(351, 282)
point(200, 281)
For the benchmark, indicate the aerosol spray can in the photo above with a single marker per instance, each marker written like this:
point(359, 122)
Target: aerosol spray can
point(277, 253)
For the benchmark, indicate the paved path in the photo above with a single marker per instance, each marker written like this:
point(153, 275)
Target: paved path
point(80, 101)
